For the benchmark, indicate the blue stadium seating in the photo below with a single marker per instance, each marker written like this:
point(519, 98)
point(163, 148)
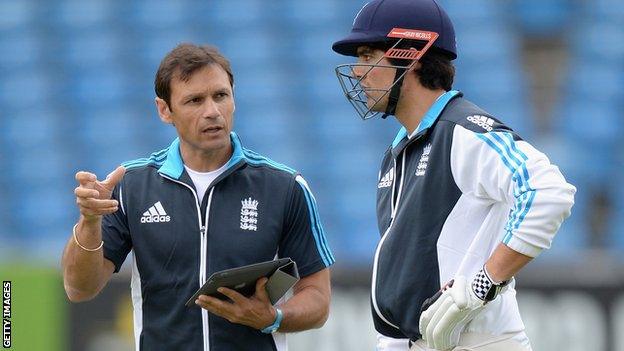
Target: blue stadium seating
point(17, 15)
point(615, 190)
point(20, 50)
point(227, 15)
point(96, 89)
point(541, 18)
point(76, 86)
point(608, 8)
point(91, 49)
point(477, 11)
point(598, 40)
point(589, 115)
point(156, 14)
point(306, 14)
point(77, 15)
point(25, 87)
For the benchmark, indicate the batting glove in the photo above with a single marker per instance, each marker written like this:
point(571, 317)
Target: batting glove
point(445, 315)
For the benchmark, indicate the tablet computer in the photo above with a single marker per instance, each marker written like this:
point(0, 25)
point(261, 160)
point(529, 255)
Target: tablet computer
point(282, 274)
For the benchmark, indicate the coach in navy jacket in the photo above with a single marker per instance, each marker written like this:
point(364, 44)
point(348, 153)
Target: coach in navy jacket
point(201, 205)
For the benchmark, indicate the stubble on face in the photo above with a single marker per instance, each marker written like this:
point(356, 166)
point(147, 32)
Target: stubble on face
point(202, 112)
point(375, 80)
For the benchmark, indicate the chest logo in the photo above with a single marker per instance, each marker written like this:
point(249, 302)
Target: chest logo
point(249, 214)
point(155, 214)
point(424, 161)
point(386, 180)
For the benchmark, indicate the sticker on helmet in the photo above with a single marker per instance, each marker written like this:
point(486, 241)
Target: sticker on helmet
point(409, 34)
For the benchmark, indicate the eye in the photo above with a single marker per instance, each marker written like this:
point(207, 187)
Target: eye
point(195, 100)
point(221, 95)
point(365, 57)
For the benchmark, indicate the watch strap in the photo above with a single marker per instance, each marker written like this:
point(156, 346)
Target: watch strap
point(276, 324)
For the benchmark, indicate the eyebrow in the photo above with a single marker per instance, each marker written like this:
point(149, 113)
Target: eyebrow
point(222, 90)
point(193, 95)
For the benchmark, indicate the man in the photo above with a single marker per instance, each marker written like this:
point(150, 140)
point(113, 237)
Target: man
point(463, 203)
point(201, 205)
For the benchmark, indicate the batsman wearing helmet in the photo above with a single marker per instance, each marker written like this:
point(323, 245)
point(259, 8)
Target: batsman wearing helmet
point(463, 202)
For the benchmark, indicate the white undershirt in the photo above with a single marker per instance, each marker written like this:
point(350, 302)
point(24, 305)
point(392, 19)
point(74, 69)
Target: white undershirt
point(202, 180)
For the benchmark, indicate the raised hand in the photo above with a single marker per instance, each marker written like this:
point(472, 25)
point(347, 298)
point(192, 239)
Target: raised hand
point(94, 197)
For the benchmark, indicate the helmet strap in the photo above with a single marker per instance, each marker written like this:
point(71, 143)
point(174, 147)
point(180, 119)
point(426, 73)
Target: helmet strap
point(395, 93)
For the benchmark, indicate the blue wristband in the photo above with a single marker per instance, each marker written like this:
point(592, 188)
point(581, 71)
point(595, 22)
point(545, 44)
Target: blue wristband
point(276, 324)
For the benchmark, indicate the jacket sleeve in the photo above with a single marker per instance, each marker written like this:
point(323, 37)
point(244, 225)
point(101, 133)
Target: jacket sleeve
point(115, 232)
point(498, 166)
point(304, 238)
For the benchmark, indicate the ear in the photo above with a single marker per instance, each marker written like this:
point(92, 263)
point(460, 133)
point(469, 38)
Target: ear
point(163, 110)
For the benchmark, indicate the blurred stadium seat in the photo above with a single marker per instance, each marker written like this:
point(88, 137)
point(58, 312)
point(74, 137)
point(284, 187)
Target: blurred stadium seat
point(541, 18)
point(588, 118)
point(77, 77)
point(21, 50)
point(76, 88)
point(77, 15)
point(17, 15)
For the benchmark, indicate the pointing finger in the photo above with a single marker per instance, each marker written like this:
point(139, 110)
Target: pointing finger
point(113, 178)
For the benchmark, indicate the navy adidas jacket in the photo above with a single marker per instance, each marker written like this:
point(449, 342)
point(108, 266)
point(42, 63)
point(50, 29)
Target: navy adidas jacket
point(256, 210)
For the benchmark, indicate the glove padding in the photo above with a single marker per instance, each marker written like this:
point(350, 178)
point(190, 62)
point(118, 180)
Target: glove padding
point(445, 315)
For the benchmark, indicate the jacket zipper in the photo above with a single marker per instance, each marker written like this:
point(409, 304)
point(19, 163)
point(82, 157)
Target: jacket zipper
point(202, 254)
point(202, 266)
point(394, 208)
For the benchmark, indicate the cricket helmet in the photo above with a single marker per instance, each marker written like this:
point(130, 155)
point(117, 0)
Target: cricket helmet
point(409, 28)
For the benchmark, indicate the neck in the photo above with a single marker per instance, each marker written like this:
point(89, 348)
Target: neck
point(203, 160)
point(415, 101)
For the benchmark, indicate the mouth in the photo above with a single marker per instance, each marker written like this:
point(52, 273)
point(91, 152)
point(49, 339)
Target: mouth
point(363, 90)
point(212, 130)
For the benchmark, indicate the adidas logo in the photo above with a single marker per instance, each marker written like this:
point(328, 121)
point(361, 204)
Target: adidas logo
point(482, 121)
point(155, 214)
point(387, 179)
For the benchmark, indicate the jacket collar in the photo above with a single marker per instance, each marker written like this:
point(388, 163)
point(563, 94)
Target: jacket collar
point(173, 166)
point(429, 118)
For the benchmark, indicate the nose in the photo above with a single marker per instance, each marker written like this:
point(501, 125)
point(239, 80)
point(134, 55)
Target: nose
point(211, 109)
point(358, 71)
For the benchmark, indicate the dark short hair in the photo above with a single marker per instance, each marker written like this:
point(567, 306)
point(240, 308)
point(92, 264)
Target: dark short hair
point(184, 60)
point(436, 70)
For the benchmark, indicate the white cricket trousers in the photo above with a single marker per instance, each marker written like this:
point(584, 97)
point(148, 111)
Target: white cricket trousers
point(467, 342)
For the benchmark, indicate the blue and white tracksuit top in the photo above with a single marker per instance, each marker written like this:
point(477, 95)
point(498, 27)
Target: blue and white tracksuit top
point(448, 194)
